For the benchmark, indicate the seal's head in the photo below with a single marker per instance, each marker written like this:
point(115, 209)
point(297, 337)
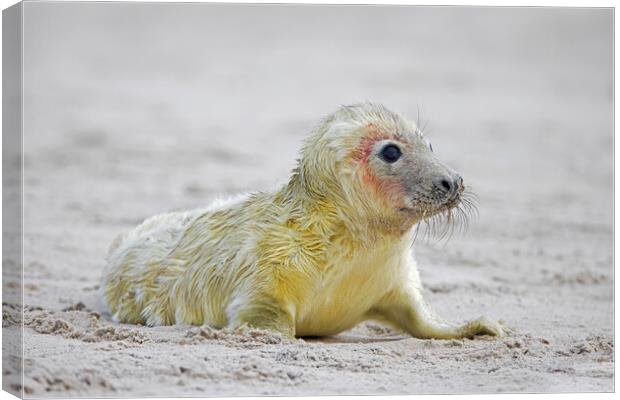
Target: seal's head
point(378, 163)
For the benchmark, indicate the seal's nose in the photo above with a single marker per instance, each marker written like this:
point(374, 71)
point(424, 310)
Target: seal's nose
point(448, 185)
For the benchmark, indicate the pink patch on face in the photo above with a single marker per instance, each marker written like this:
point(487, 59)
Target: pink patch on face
point(366, 145)
point(388, 189)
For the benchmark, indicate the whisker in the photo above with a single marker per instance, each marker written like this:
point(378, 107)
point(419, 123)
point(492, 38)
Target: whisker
point(442, 226)
point(415, 235)
point(417, 122)
point(424, 128)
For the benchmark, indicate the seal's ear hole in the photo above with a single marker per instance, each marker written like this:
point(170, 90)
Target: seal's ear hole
point(430, 146)
point(390, 153)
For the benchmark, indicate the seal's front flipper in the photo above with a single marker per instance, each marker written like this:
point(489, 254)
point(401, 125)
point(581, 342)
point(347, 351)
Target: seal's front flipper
point(482, 326)
point(406, 309)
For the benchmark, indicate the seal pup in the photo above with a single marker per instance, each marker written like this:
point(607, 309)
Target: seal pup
point(327, 250)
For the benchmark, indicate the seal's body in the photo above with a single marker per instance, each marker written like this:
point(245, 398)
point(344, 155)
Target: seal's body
point(327, 250)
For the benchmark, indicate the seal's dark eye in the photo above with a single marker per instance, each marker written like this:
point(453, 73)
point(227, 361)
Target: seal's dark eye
point(430, 146)
point(390, 153)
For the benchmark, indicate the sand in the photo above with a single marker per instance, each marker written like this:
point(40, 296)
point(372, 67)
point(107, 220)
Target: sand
point(133, 110)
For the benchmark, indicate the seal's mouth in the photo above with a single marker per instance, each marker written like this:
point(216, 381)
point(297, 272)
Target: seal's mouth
point(428, 209)
point(441, 219)
point(451, 202)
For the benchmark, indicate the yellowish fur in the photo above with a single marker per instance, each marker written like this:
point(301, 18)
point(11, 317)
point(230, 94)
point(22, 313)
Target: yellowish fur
point(316, 257)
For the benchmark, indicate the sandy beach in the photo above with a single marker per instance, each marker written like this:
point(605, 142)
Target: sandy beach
point(134, 109)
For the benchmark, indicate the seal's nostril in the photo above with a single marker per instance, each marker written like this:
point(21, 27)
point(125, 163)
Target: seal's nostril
point(446, 184)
